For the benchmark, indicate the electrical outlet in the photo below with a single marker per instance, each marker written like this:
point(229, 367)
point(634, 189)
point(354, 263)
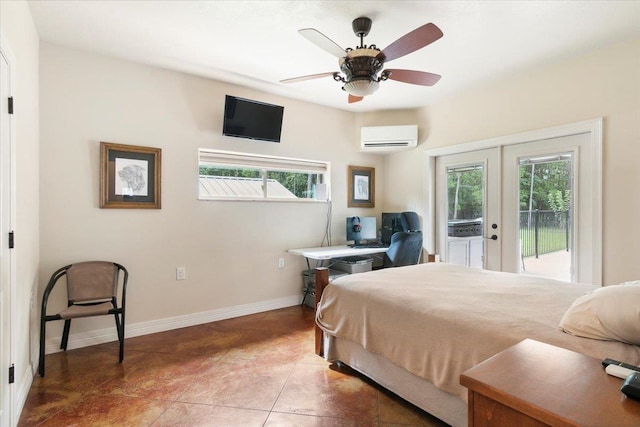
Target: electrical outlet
point(181, 273)
point(281, 263)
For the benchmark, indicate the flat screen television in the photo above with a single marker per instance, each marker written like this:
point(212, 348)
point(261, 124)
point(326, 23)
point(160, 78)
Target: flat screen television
point(244, 118)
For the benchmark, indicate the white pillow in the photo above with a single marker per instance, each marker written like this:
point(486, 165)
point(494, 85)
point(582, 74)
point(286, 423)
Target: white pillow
point(608, 313)
point(632, 283)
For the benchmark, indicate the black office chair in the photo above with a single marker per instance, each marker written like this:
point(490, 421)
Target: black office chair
point(92, 290)
point(405, 249)
point(410, 221)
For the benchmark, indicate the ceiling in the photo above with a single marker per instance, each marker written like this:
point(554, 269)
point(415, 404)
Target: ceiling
point(256, 44)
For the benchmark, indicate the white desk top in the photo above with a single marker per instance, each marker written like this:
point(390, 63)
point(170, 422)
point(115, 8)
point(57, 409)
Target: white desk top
point(328, 252)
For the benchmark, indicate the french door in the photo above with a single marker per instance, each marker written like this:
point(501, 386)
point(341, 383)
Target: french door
point(468, 197)
point(524, 208)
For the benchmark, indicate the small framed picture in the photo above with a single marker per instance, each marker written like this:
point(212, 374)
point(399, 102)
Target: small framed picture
point(362, 184)
point(129, 176)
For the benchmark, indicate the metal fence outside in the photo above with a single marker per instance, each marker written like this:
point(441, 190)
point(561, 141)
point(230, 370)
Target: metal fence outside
point(543, 231)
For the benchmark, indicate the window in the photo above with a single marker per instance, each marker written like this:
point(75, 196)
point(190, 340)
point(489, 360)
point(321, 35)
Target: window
point(226, 175)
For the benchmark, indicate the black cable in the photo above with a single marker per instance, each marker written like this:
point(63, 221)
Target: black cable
point(327, 230)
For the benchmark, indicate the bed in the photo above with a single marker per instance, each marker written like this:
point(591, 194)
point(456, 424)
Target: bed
point(415, 329)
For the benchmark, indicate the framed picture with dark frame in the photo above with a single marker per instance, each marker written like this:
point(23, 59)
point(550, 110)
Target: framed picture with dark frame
point(129, 176)
point(362, 184)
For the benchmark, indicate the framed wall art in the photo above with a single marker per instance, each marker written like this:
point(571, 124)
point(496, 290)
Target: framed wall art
point(129, 176)
point(362, 184)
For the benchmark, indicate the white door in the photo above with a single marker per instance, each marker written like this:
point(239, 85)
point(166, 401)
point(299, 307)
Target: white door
point(6, 390)
point(574, 260)
point(468, 196)
point(498, 172)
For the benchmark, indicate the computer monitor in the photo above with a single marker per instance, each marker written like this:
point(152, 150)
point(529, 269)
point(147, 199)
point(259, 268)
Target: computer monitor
point(391, 223)
point(361, 228)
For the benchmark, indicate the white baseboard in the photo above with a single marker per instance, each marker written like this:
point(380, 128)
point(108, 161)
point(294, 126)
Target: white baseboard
point(23, 392)
point(85, 339)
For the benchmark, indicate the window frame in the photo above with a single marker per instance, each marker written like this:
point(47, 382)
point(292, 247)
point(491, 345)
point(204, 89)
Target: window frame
point(264, 163)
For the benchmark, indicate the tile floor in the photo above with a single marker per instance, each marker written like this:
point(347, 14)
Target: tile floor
point(257, 370)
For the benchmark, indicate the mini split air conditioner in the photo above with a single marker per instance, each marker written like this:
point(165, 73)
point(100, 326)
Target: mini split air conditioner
point(388, 138)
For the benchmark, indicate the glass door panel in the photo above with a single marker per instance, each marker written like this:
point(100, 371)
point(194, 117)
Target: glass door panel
point(465, 202)
point(546, 209)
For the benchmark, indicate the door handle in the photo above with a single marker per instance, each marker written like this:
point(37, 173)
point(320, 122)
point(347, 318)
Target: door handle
point(493, 237)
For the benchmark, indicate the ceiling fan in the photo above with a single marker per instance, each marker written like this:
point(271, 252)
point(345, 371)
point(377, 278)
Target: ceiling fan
point(362, 64)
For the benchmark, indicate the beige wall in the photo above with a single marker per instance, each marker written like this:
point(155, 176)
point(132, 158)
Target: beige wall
point(604, 83)
point(21, 40)
point(230, 249)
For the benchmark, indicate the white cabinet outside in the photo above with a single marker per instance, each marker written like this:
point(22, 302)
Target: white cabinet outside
point(465, 251)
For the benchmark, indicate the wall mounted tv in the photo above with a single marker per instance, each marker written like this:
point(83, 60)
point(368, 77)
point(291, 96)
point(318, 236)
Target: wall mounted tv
point(245, 118)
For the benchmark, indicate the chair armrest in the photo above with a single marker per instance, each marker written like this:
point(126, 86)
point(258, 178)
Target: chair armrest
point(125, 279)
point(52, 282)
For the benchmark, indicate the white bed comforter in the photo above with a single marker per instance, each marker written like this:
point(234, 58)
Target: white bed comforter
point(437, 320)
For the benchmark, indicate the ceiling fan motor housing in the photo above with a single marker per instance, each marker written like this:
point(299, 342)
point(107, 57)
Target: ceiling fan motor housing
point(361, 63)
point(361, 67)
point(361, 26)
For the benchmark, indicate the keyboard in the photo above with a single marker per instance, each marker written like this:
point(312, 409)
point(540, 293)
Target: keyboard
point(369, 245)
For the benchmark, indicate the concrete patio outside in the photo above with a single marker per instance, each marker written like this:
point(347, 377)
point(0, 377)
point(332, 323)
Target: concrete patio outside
point(555, 265)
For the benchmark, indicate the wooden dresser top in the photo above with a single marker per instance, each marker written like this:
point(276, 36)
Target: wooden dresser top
point(553, 385)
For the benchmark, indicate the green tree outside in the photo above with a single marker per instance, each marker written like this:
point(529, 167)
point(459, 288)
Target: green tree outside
point(468, 184)
point(548, 179)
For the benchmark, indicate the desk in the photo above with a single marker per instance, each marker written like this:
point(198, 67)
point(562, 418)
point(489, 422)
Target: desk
point(324, 253)
point(329, 252)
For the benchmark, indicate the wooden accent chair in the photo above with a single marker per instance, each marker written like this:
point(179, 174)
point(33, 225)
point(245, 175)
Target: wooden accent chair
point(92, 290)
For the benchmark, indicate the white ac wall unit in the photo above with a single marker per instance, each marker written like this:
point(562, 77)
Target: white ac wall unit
point(388, 138)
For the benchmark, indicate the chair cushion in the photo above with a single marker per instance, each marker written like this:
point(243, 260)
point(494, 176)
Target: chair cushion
point(75, 310)
point(92, 280)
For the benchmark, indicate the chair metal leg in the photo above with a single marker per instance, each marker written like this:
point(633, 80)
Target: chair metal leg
point(118, 326)
point(65, 334)
point(120, 329)
point(122, 344)
point(41, 358)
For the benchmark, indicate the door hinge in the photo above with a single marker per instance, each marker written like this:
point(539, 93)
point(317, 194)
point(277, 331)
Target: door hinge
point(12, 374)
point(11, 240)
point(10, 106)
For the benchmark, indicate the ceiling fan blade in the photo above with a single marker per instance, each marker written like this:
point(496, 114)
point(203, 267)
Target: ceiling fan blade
point(414, 77)
point(309, 77)
point(410, 42)
point(322, 41)
point(353, 98)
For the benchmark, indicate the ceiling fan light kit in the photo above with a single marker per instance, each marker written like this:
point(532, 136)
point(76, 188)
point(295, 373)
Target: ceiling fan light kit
point(361, 65)
point(361, 87)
